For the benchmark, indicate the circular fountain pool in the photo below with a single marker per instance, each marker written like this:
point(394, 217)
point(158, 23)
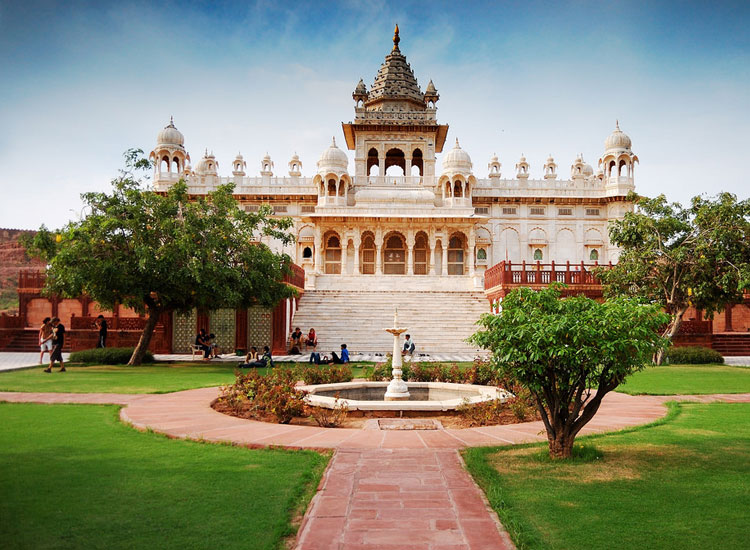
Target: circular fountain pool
point(424, 396)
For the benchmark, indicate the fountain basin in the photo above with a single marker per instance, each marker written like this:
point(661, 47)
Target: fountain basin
point(424, 396)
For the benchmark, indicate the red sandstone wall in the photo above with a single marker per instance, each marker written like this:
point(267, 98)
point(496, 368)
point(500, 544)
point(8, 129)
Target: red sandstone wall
point(12, 260)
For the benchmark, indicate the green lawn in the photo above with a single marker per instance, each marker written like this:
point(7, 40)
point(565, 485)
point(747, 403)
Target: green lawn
point(73, 476)
point(688, 379)
point(157, 378)
point(681, 484)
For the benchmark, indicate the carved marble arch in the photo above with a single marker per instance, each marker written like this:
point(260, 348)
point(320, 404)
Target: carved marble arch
point(373, 162)
point(331, 186)
point(395, 157)
point(421, 254)
point(458, 189)
point(394, 254)
point(367, 251)
point(456, 253)
point(417, 162)
point(332, 253)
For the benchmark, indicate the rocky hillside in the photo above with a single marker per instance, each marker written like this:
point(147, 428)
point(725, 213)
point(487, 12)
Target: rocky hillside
point(12, 260)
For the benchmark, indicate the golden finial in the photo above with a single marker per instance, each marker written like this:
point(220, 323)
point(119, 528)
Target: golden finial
point(396, 38)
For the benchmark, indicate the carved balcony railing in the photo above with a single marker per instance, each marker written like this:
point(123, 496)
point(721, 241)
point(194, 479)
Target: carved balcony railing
point(537, 273)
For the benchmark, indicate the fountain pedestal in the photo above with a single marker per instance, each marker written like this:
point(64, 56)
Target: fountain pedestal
point(397, 389)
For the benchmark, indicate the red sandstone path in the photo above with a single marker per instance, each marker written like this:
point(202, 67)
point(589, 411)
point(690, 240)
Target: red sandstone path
point(383, 490)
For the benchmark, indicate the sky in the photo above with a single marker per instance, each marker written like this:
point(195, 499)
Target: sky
point(82, 82)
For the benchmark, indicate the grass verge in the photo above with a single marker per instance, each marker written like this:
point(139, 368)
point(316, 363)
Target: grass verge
point(158, 378)
point(688, 380)
point(680, 482)
point(73, 476)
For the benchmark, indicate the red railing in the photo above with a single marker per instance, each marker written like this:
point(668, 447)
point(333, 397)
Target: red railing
point(508, 273)
point(296, 277)
point(31, 279)
point(11, 321)
point(696, 327)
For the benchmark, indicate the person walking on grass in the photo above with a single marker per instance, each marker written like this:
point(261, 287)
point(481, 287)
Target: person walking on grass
point(58, 339)
point(45, 339)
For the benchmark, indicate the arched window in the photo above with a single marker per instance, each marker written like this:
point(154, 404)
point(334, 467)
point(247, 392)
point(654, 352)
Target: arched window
point(368, 255)
point(333, 255)
point(331, 188)
point(394, 256)
point(456, 255)
point(373, 166)
point(417, 162)
point(421, 255)
point(395, 157)
point(481, 254)
point(538, 255)
point(307, 252)
point(594, 255)
point(457, 189)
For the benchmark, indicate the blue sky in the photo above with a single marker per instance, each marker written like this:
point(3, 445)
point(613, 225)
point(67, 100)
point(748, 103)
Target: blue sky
point(81, 82)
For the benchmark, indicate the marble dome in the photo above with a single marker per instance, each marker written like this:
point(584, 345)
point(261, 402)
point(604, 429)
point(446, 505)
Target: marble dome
point(457, 160)
point(170, 135)
point(333, 159)
point(617, 140)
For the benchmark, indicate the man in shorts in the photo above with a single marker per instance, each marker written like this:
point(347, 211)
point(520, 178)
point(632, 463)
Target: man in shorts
point(45, 339)
point(58, 339)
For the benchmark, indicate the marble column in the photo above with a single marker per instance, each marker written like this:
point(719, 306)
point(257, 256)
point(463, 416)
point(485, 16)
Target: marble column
point(410, 252)
point(379, 251)
point(445, 256)
point(344, 250)
point(318, 243)
point(357, 270)
point(433, 246)
point(472, 253)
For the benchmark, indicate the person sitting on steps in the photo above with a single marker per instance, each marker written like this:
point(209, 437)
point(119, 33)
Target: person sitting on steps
point(312, 340)
point(408, 346)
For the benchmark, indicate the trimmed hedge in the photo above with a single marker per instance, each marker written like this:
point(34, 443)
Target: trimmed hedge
point(107, 356)
point(693, 355)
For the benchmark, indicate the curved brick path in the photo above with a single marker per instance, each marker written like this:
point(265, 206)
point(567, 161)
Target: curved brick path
point(387, 490)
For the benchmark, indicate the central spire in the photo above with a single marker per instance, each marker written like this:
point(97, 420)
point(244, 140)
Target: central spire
point(396, 39)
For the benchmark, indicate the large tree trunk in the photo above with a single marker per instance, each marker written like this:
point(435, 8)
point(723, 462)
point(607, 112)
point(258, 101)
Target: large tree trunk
point(145, 339)
point(672, 329)
point(561, 446)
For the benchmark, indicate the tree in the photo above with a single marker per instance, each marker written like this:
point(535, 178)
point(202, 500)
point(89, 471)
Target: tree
point(159, 252)
point(569, 352)
point(681, 257)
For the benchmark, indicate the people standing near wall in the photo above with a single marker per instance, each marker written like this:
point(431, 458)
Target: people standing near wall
point(58, 339)
point(101, 324)
point(45, 339)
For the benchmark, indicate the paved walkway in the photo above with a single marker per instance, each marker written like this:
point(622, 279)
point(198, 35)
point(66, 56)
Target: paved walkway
point(397, 490)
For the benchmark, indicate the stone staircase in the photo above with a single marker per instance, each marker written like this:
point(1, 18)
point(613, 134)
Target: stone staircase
point(731, 344)
point(438, 322)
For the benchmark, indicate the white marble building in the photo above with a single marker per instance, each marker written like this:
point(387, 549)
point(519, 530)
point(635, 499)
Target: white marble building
point(396, 220)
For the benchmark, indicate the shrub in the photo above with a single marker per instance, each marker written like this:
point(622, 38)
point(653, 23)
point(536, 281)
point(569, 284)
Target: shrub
point(323, 374)
point(107, 356)
point(483, 414)
point(330, 418)
point(256, 396)
point(693, 355)
point(522, 405)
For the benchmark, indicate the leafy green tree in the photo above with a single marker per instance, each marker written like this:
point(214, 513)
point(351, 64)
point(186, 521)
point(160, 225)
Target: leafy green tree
point(681, 257)
point(569, 352)
point(160, 252)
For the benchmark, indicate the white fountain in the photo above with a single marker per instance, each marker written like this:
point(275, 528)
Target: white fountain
point(397, 388)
